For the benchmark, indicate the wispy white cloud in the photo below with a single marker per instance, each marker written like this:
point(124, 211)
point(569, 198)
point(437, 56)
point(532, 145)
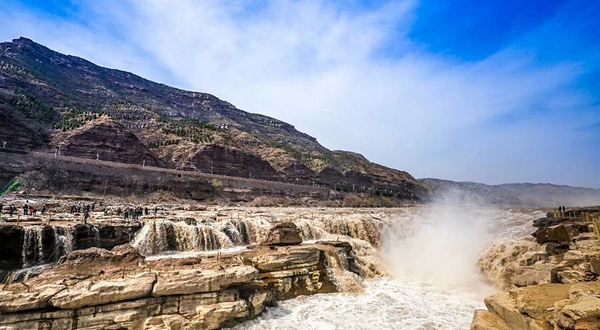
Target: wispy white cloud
point(325, 67)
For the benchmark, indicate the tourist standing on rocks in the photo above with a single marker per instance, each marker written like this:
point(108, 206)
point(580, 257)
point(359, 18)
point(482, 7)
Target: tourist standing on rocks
point(43, 210)
point(25, 209)
point(155, 209)
point(12, 210)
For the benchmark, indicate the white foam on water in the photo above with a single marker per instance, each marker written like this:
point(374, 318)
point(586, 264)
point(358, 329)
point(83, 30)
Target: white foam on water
point(385, 304)
point(432, 255)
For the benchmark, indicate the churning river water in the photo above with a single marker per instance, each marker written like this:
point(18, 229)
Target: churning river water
point(435, 282)
point(385, 304)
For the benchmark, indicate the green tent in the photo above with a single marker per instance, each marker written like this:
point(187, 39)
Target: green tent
point(12, 185)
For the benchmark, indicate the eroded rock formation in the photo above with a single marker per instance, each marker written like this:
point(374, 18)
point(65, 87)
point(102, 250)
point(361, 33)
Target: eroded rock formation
point(553, 279)
point(120, 289)
point(106, 139)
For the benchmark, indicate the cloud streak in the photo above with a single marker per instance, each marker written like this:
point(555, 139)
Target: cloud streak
point(352, 77)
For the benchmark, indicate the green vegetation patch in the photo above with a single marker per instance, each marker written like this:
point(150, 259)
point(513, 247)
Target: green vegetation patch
point(162, 143)
point(76, 118)
point(194, 130)
point(33, 108)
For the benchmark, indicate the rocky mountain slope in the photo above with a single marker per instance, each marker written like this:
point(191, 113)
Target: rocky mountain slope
point(515, 194)
point(51, 101)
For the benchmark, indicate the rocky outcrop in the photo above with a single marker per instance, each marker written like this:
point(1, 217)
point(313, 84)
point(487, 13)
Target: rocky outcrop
point(119, 289)
point(542, 307)
point(220, 160)
point(559, 253)
point(285, 233)
point(107, 140)
point(562, 234)
point(556, 279)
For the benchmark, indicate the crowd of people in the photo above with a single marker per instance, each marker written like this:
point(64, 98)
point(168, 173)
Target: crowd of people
point(27, 209)
point(132, 213)
point(128, 213)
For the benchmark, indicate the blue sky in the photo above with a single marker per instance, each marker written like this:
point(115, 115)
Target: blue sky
point(487, 91)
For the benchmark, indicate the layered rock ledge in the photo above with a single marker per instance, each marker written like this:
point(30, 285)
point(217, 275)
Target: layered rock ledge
point(120, 289)
point(552, 279)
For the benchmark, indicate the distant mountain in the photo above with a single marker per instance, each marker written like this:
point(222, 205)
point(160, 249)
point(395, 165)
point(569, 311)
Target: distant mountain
point(515, 194)
point(51, 101)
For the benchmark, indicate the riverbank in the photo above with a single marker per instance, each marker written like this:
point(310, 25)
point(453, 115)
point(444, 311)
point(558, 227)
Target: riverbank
point(397, 259)
point(552, 278)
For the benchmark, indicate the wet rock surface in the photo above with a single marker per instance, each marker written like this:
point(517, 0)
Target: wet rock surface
point(29, 244)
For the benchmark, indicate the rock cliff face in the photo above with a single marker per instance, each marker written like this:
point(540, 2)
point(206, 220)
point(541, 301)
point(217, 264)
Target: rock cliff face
point(553, 280)
point(219, 160)
point(57, 99)
point(119, 289)
point(107, 140)
point(27, 245)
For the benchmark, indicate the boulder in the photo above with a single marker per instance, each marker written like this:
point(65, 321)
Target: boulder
point(484, 320)
point(214, 316)
point(562, 234)
point(554, 248)
point(504, 307)
point(284, 233)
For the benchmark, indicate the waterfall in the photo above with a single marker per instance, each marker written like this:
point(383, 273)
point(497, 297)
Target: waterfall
point(308, 231)
point(366, 229)
point(96, 233)
point(33, 249)
point(163, 235)
point(63, 241)
point(234, 234)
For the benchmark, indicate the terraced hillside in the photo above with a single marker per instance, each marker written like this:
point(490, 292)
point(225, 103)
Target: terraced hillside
point(50, 101)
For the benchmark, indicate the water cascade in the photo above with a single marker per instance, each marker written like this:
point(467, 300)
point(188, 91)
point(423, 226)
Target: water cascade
point(42, 244)
point(63, 241)
point(164, 235)
point(33, 249)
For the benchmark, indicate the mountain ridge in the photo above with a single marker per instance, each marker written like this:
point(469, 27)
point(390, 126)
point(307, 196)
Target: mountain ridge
point(52, 95)
point(515, 194)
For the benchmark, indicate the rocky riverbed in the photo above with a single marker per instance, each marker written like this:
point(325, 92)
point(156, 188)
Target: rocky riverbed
point(121, 289)
point(191, 266)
